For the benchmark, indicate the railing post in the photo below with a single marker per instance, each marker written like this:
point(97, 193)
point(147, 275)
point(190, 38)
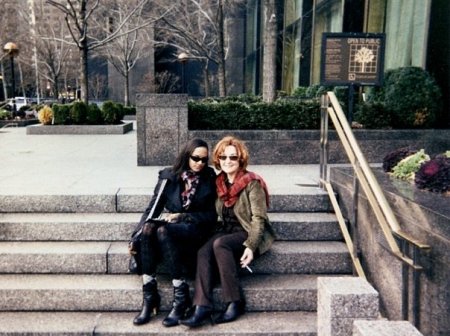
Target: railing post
point(405, 282)
point(324, 103)
point(416, 289)
point(354, 222)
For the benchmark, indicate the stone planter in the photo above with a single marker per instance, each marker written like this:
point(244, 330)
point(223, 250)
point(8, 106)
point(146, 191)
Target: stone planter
point(162, 128)
point(18, 123)
point(80, 129)
point(422, 214)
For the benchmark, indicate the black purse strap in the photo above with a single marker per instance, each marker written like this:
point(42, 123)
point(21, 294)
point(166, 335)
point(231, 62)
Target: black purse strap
point(158, 196)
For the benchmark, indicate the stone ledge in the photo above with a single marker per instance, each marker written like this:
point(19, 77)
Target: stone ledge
point(18, 123)
point(384, 327)
point(79, 129)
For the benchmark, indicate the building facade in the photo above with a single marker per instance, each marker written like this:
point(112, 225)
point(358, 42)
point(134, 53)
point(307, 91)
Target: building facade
point(417, 33)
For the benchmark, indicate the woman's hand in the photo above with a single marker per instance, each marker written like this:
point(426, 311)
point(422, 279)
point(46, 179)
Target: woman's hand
point(247, 257)
point(171, 217)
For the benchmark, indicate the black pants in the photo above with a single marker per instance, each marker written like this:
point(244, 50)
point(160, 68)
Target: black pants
point(175, 242)
point(219, 257)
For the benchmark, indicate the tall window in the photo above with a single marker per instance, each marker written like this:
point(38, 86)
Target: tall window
point(253, 47)
point(328, 17)
point(406, 33)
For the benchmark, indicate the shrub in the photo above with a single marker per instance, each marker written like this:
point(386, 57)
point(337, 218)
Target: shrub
point(4, 114)
point(45, 115)
point(407, 167)
point(24, 108)
point(412, 97)
point(235, 114)
point(434, 175)
point(393, 158)
point(373, 115)
point(112, 112)
point(61, 114)
point(300, 92)
point(78, 112)
point(94, 115)
point(129, 110)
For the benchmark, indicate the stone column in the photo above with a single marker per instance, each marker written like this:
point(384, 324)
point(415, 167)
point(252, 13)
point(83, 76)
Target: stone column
point(340, 301)
point(384, 327)
point(161, 124)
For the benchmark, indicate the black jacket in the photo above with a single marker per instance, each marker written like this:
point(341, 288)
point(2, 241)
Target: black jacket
point(201, 211)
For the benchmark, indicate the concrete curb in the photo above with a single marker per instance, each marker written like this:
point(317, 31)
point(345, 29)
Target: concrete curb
point(79, 129)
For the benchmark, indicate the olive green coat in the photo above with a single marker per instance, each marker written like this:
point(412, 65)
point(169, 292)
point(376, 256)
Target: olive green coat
point(251, 211)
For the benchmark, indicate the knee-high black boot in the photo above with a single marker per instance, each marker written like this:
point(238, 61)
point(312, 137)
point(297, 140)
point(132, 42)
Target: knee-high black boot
point(181, 303)
point(151, 302)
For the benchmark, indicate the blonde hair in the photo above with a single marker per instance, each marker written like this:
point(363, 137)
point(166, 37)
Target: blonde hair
point(241, 149)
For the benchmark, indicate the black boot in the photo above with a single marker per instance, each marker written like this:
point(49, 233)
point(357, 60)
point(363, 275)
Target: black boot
point(201, 314)
point(181, 303)
point(232, 312)
point(151, 302)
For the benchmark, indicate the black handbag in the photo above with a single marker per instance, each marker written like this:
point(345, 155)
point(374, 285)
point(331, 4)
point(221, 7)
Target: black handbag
point(134, 244)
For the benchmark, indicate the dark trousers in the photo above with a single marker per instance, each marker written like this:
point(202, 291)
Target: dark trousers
point(219, 258)
point(175, 242)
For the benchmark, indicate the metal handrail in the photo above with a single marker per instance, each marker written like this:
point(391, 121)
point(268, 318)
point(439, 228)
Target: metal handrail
point(330, 108)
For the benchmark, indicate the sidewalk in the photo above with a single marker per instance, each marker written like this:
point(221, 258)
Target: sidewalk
point(102, 164)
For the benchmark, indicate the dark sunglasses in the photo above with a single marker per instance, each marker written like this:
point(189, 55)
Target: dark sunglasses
point(231, 157)
point(198, 158)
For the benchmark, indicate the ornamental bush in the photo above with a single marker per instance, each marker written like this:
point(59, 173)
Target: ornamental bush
point(251, 113)
point(45, 115)
point(434, 175)
point(61, 113)
point(112, 113)
point(94, 115)
point(410, 96)
point(373, 115)
point(408, 166)
point(78, 112)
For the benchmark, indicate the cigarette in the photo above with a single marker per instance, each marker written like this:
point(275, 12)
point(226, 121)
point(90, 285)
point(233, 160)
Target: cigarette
point(249, 269)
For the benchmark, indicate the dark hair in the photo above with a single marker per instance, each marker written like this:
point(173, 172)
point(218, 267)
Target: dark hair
point(182, 161)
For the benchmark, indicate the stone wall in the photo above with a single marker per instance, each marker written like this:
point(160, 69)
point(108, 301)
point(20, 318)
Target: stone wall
point(162, 126)
point(423, 215)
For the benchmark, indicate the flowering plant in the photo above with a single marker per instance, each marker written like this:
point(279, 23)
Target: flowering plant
point(393, 158)
point(408, 166)
point(434, 175)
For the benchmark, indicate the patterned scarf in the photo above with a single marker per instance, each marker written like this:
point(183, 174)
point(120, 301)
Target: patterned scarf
point(190, 180)
point(230, 195)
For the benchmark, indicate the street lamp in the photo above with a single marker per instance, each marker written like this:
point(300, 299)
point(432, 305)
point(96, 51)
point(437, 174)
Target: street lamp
point(11, 49)
point(183, 58)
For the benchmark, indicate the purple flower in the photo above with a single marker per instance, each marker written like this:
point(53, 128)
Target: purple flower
point(434, 175)
point(393, 158)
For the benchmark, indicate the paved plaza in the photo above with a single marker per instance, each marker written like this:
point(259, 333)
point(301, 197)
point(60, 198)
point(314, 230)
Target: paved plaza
point(101, 164)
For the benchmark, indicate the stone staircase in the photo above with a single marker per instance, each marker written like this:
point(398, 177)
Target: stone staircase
point(63, 267)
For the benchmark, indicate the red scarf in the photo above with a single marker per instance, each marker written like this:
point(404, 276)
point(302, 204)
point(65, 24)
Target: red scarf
point(230, 195)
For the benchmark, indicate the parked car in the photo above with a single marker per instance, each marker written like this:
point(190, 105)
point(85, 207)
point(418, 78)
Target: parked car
point(20, 101)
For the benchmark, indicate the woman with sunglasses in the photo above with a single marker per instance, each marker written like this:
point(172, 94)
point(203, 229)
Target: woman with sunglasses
point(186, 208)
point(244, 234)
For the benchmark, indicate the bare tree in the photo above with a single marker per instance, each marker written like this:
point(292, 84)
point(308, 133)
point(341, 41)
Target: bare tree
point(269, 51)
point(52, 54)
point(198, 28)
point(85, 30)
point(131, 46)
point(15, 28)
point(98, 85)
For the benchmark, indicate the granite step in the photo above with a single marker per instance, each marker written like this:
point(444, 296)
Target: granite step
point(119, 323)
point(112, 257)
point(118, 226)
point(136, 200)
point(101, 292)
